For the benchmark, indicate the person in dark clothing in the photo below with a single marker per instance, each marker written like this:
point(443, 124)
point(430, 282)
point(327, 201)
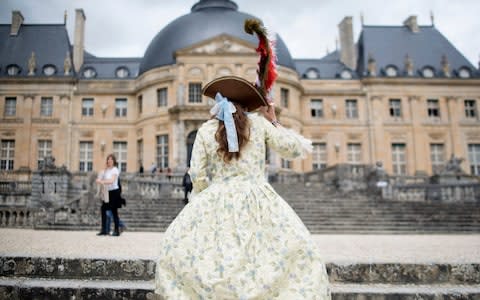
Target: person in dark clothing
point(187, 185)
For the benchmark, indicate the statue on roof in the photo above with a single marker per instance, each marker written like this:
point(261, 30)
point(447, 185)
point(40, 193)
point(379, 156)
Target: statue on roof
point(32, 62)
point(67, 64)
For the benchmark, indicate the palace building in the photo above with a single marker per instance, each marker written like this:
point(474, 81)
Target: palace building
point(402, 95)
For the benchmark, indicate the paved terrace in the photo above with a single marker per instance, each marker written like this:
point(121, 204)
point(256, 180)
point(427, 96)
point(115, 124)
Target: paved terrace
point(336, 248)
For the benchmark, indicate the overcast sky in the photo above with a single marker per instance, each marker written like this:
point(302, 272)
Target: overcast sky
point(124, 28)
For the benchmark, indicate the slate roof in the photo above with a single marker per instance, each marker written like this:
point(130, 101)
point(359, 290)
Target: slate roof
point(208, 19)
point(390, 44)
point(50, 43)
point(106, 67)
point(328, 67)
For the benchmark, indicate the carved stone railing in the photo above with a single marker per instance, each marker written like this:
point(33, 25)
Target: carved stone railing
point(459, 192)
point(16, 217)
point(150, 187)
point(16, 182)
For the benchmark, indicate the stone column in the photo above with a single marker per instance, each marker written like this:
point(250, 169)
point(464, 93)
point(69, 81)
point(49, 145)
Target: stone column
point(416, 117)
point(454, 120)
point(25, 160)
point(181, 156)
point(377, 129)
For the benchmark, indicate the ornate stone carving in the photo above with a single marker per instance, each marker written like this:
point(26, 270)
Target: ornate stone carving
point(86, 266)
point(86, 134)
point(136, 267)
point(453, 166)
point(120, 134)
point(445, 66)
point(46, 120)
point(372, 65)
point(221, 45)
point(409, 65)
point(67, 64)
point(32, 63)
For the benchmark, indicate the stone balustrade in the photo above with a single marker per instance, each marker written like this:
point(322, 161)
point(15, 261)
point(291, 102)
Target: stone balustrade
point(464, 192)
point(16, 217)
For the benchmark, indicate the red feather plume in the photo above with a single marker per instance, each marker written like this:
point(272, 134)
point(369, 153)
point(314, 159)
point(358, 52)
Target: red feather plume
point(267, 68)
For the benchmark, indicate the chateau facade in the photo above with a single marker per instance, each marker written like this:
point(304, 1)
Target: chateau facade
point(401, 95)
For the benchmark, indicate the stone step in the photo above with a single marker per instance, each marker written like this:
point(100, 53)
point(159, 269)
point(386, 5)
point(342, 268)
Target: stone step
point(144, 270)
point(99, 289)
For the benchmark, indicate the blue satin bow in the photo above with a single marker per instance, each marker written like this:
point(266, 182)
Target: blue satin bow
point(223, 111)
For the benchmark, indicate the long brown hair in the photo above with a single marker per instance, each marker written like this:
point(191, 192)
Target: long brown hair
point(243, 133)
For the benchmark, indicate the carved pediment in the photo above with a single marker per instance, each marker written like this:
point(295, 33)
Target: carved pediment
point(222, 44)
point(354, 136)
point(120, 134)
point(472, 135)
point(436, 135)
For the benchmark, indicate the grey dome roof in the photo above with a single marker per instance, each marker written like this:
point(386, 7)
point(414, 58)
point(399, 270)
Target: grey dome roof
point(207, 19)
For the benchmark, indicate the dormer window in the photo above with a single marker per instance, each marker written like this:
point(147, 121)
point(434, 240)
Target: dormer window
point(89, 72)
point(122, 72)
point(312, 74)
point(428, 72)
point(49, 70)
point(391, 71)
point(346, 74)
point(13, 70)
point(464, 72)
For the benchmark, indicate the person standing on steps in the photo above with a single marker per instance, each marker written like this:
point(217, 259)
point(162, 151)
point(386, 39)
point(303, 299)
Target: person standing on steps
point(112, 200)
point(187, 186)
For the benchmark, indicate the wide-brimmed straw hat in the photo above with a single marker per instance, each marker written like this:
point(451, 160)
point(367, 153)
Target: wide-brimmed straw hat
point(236, 89)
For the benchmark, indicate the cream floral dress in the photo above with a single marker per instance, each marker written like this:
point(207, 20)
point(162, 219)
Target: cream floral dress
point(237, 238)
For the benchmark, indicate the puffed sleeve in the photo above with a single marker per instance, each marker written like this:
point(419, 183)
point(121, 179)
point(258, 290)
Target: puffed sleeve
point(286, 142)
point(198, 164)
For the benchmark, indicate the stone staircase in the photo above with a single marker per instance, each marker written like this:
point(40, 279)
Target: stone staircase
point(324, 210)
point(66, 278)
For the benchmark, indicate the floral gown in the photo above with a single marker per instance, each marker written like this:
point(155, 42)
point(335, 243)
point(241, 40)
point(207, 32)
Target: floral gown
point(237, 238)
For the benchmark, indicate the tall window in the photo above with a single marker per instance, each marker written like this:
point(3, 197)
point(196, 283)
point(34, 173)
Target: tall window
point(140, 153)
point(474, 158)
point(7, 157)
point(120, 107)
point(10, 106)
point(437, 157)
point(470, 109)
point(316, 108)
point(86, 157)
point(395, 108)
point(162, 97)
point(162, 151)
point(399, 162)
point(354, 153)
point(284, 97)
point(44, 150)
point(286, 164)
point(140, 104)
point(194, 92)
point(433, 108)
point(351, 109)
point(87, 107)
point(46, 106)
point(120, 152)
point(319, 156)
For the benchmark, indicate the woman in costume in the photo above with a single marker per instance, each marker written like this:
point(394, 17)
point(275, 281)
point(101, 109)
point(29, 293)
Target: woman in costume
point(237, 238)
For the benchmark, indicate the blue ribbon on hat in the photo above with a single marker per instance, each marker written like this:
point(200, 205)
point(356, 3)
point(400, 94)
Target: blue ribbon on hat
point(223, 111)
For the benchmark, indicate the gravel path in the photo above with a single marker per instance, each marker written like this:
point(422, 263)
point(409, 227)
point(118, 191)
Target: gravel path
point(335, 248)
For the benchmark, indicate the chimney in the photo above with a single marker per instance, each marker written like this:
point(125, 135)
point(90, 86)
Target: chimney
point(78, 44)
point(17, 21)
point(348, 54)
point(411, 23)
